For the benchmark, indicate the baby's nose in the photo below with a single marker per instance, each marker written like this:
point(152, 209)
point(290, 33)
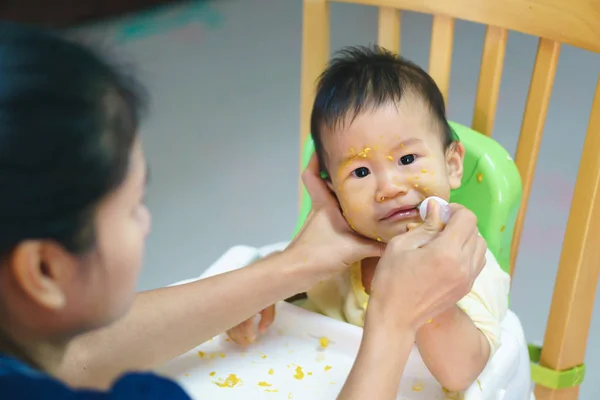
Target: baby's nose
point(389, 187)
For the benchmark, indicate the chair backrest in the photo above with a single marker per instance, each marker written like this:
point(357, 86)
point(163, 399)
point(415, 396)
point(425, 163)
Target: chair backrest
point(575, 22)
point(491, 188)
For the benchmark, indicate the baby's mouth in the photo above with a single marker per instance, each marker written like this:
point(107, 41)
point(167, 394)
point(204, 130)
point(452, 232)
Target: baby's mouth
point(401, 213)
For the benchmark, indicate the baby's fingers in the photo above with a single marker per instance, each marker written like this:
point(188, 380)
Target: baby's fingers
point(267, 316)
point(244, 333)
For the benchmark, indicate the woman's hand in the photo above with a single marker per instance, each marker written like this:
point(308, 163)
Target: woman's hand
point(426, 271)
point(326, 240)
point(421, 273)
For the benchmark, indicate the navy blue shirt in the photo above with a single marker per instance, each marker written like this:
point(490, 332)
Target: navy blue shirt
point(19, 381)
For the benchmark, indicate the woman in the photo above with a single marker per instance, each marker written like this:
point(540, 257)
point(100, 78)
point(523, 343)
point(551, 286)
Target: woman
point(72, 230)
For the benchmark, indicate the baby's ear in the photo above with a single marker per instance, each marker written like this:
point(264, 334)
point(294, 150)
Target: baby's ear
point(455, 156)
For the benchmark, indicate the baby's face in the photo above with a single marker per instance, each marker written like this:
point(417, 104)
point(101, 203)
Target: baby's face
point(385, 163)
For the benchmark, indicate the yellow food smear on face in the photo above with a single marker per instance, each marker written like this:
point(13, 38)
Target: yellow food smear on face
point(479, 177)
point(364, 153)
point(324, 342)
point(231, 381)
point(212, 373)
point(271, 371)
point(327, 367)
point(390, 158)
point(418, 387)
point(424, 171)
point(299, 373)
point(264, 384)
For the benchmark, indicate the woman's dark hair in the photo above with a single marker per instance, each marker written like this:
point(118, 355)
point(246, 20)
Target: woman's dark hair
point(68, 122)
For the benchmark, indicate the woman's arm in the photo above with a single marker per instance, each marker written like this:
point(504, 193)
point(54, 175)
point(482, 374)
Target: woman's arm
point(167, 322)
point(164, 323)
point(376, 374)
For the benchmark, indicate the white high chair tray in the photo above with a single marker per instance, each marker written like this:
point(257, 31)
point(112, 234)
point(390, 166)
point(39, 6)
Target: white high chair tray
point(288, 362)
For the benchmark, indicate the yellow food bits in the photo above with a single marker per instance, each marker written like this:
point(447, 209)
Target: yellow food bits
point(479, 177)
point(418, 387)
point(231, 381)
point(327, 367)
point(324, 342)
point(430, 321)
point(201, 354)
point(263, 356)
point(187, 374)
point(272, 390)
point(502, 228)
point(299, 373)
point(424, 171)
point(271, 371)
point(309, 373)
point(379, 239)
point(364, 153)
point(222, 355)
point(212, 373)
point(390, 158)
point(264, 384)
point(228, 340)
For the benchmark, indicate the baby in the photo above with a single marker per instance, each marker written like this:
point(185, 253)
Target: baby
point(382, 138)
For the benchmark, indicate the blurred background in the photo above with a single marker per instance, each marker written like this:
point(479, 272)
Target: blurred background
point(222, 137)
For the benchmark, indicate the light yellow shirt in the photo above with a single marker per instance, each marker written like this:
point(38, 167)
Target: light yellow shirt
point(345, 299)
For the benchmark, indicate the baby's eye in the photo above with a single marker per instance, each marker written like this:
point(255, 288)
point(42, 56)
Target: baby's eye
point(361, 172)
point(407, 159)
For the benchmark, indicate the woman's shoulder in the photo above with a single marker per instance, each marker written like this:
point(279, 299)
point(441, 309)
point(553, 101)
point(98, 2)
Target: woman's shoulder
point(19, 382)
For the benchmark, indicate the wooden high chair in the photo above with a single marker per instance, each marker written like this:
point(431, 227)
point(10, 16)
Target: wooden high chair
point(575, 22)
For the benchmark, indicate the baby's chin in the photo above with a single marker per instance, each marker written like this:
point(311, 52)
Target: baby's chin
point(385, 235)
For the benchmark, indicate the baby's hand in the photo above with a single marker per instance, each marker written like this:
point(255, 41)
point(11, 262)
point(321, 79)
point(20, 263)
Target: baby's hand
point(245, 333)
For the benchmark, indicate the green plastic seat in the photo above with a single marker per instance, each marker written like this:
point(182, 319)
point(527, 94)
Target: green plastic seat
point(491, 188)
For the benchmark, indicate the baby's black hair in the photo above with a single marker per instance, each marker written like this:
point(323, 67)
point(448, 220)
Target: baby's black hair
point(360, 78)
